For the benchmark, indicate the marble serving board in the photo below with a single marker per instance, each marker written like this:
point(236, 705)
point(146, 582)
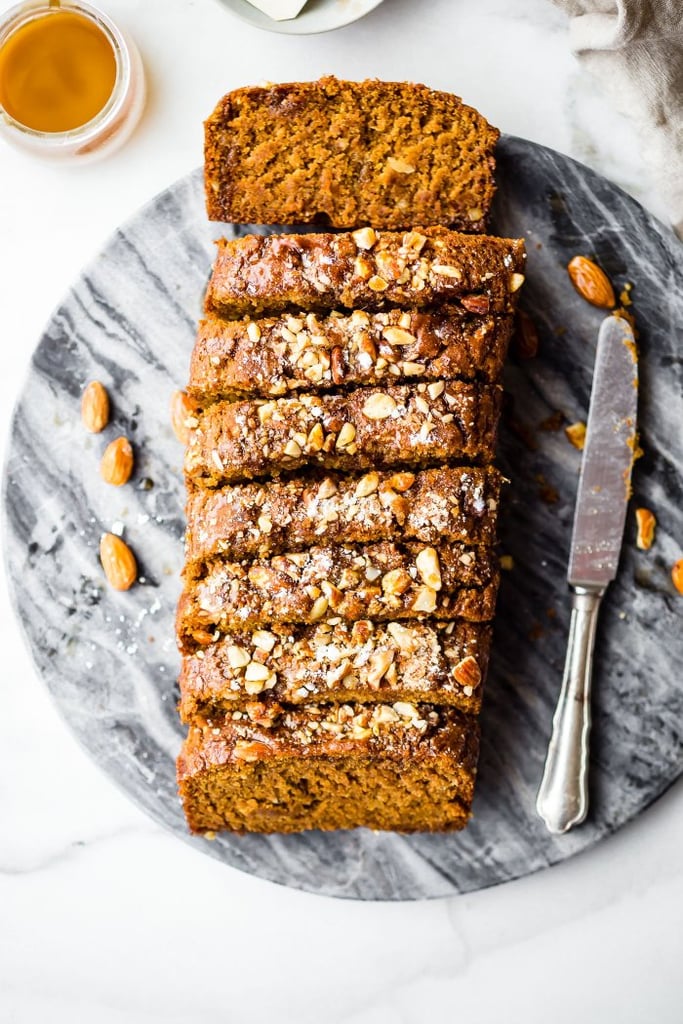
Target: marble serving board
point(109, 659)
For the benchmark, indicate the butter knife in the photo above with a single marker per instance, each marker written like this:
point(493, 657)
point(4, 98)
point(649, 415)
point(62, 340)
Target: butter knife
point(599, 518)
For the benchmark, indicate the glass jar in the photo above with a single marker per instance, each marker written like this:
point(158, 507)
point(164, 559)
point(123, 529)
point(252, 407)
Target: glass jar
point(114, 122)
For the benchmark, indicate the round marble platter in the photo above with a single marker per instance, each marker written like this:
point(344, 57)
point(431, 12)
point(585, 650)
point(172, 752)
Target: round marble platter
point(109, 659)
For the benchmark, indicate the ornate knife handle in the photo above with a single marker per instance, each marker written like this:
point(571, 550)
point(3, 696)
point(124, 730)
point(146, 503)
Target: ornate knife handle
point(562, 799)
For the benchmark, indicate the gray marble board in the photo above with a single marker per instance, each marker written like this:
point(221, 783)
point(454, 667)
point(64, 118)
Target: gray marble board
point(109, 659)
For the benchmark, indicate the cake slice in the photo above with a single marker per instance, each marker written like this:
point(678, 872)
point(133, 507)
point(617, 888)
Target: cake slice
point(385, 153)
point(456, 503)
point(365, 268)
point(363, 662)
point(406, 425)
point(288, 353)
point(381, 581)
point(402, 767)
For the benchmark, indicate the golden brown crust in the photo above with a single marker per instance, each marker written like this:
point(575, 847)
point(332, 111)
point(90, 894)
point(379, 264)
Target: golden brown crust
point(367, 662)
point(381, 581)
point(276, 355)
point(368, 428)
point(403, 767)
point(411, 270)
point(384, 153)
point(433, 505)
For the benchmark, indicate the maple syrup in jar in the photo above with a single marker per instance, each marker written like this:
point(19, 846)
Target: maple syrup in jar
point(71, 84)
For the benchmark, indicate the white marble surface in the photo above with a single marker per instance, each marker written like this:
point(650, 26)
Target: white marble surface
point(94, 925)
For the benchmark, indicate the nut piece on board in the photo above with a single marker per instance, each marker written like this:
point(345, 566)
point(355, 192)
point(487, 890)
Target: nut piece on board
point(117, 462)
point(591, 282)
point(118, 562)
point(95, 407)
point(576, 434)
point(646, 522)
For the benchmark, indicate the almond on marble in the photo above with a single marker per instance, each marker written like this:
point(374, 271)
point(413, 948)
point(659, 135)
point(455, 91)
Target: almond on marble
point(118, 562)
point(117, 462)
point(591, 282)
point(95, 407)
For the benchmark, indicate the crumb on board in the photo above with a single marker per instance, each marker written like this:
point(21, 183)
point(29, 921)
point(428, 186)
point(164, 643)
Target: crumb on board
point(625, 314)
point(625, 294)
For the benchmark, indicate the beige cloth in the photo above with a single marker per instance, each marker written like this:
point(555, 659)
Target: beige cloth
point(635, 48)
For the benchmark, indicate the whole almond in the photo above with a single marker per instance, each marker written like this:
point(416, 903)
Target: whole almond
point(183, 415)
point(117, 462)
point(95, 407)
point(677, 575)
point(591, 282)
point(118, 562)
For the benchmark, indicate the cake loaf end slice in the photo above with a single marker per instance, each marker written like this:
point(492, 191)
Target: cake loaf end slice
point(402, 768)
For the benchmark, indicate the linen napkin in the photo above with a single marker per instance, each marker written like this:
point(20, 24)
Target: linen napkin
point(635, 48)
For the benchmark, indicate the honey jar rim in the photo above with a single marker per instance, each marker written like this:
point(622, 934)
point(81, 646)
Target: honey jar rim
point(22, 14)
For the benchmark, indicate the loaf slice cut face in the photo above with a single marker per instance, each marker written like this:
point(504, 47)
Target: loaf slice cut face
point(348, 153)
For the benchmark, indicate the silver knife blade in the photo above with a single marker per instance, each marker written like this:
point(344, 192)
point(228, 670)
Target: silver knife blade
point(605, 481)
